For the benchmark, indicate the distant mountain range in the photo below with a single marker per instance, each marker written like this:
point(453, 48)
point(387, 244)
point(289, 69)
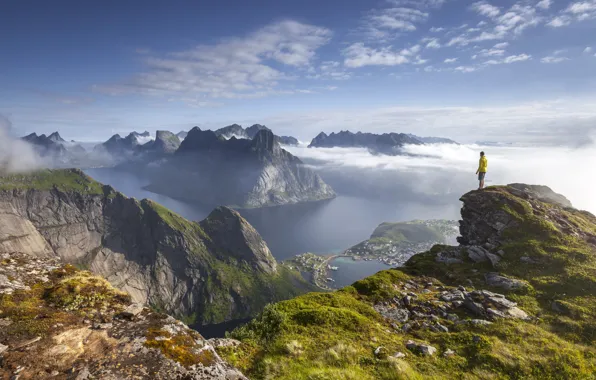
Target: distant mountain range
point(249, 133)
point(386, 143)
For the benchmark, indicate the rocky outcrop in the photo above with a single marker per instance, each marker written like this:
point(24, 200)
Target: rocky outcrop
point(207, 272)
point(521, 282)
point(57, 322)
point(387, 143)
point(209, 169)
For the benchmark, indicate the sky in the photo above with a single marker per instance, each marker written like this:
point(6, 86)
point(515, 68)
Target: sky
point(510, 71)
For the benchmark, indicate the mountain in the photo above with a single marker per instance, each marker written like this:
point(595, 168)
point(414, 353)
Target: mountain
point(232, 130)
point(288, 140)
point(387, 143)
point(209, 272)
point(165, 142)
point(254, 129)
point(59, 322)
point(208, 168)
point(56, 151)
point(118, 146)
point(182, 135)
point(433, 140)
point(515, 299)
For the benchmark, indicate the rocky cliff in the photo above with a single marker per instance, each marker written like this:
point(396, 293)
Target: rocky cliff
point(57, 322)
point(245, 173)
point(208, 272)
point(516, 299)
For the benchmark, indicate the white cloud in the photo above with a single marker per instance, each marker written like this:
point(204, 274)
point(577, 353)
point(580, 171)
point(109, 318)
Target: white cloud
point(517, 58)
point(450, 60)
point(491, 52)
point(433, 44)
point(553, 59)
point(559, 21)
point(501, 45)
point(465, 69)
point(485, 9)
point(443, 170)
point(15, 154)
point(436, 30)
point(234, 68)
point(544, 4)
point(577, 11)
point(588, 50)
point(358, 55)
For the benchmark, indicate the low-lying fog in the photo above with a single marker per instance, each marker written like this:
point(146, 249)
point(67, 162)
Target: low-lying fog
point(438, 173)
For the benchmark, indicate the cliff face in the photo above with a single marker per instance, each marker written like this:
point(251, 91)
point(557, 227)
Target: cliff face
point(207, 272)
point(516, 299)
point(239, 172)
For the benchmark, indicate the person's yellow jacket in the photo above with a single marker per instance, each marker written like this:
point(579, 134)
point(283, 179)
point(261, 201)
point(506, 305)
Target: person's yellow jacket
point(483, 165)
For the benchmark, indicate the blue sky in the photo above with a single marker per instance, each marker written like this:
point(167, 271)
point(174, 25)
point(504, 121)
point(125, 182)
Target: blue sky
point(501, 70)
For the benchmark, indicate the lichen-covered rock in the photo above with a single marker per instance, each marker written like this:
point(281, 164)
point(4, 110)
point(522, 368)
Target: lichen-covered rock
point(51, 331)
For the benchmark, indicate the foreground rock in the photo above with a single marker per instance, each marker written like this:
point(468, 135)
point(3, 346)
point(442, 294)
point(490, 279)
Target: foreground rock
point(68, 324)
point(206, 272)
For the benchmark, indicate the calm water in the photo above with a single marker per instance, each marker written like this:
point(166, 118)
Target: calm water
point(350, 270)
point(322, 227)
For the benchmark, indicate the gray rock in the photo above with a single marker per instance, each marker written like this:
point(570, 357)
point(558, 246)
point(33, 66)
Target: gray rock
point(452, 296)
point(474, 307)
point(441, 328)
point(517, 313)
point(424, 349)
point(502, 302)
point(132, 310)
point(477, 254)
point(494, 314)
point(479, 322)
point(393, 313)
point(399, 355)
point(3, 348)
point(500, 281)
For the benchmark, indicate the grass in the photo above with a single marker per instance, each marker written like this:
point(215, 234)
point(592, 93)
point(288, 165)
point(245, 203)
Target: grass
point(64, 180)
point(334, 335)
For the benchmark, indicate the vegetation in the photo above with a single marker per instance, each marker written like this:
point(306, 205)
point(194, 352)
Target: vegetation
point(414, 232)
point(65, 180)
point(341, 336)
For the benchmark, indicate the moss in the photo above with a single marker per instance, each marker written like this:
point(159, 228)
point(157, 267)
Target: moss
point(64, 179)
point(82, 290)
point(181, 347)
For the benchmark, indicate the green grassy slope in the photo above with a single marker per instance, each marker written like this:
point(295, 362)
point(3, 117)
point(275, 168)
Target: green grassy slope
point(335, 335)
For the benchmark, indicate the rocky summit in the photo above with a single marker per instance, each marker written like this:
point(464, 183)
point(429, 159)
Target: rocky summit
point(515, 299)
point(209, 272)
point(209, 169)
point(386, 143)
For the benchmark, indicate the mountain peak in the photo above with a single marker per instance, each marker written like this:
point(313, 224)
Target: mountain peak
point(56, 137)
point(238, 239)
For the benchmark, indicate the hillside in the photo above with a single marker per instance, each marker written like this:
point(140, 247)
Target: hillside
point(209, 272)
point(516, 299)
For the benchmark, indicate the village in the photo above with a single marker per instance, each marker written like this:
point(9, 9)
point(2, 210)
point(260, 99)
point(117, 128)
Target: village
point(385, 245)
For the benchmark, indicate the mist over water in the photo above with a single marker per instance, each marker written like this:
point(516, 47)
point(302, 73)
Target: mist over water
point(437, 173)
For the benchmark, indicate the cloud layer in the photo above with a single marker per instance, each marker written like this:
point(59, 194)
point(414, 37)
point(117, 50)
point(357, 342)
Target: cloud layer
point(444, 172)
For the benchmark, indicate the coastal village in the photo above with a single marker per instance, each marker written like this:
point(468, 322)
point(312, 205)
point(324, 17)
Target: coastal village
point(391, 243)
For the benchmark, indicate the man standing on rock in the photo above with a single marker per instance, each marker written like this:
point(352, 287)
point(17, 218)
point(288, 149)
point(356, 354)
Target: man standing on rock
point(482, 166)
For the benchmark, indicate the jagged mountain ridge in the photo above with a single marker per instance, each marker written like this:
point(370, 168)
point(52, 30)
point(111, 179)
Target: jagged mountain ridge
point(516, 298)
point(246, 173)
point(249, 133)
point(209, 272)
point(386, 143)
